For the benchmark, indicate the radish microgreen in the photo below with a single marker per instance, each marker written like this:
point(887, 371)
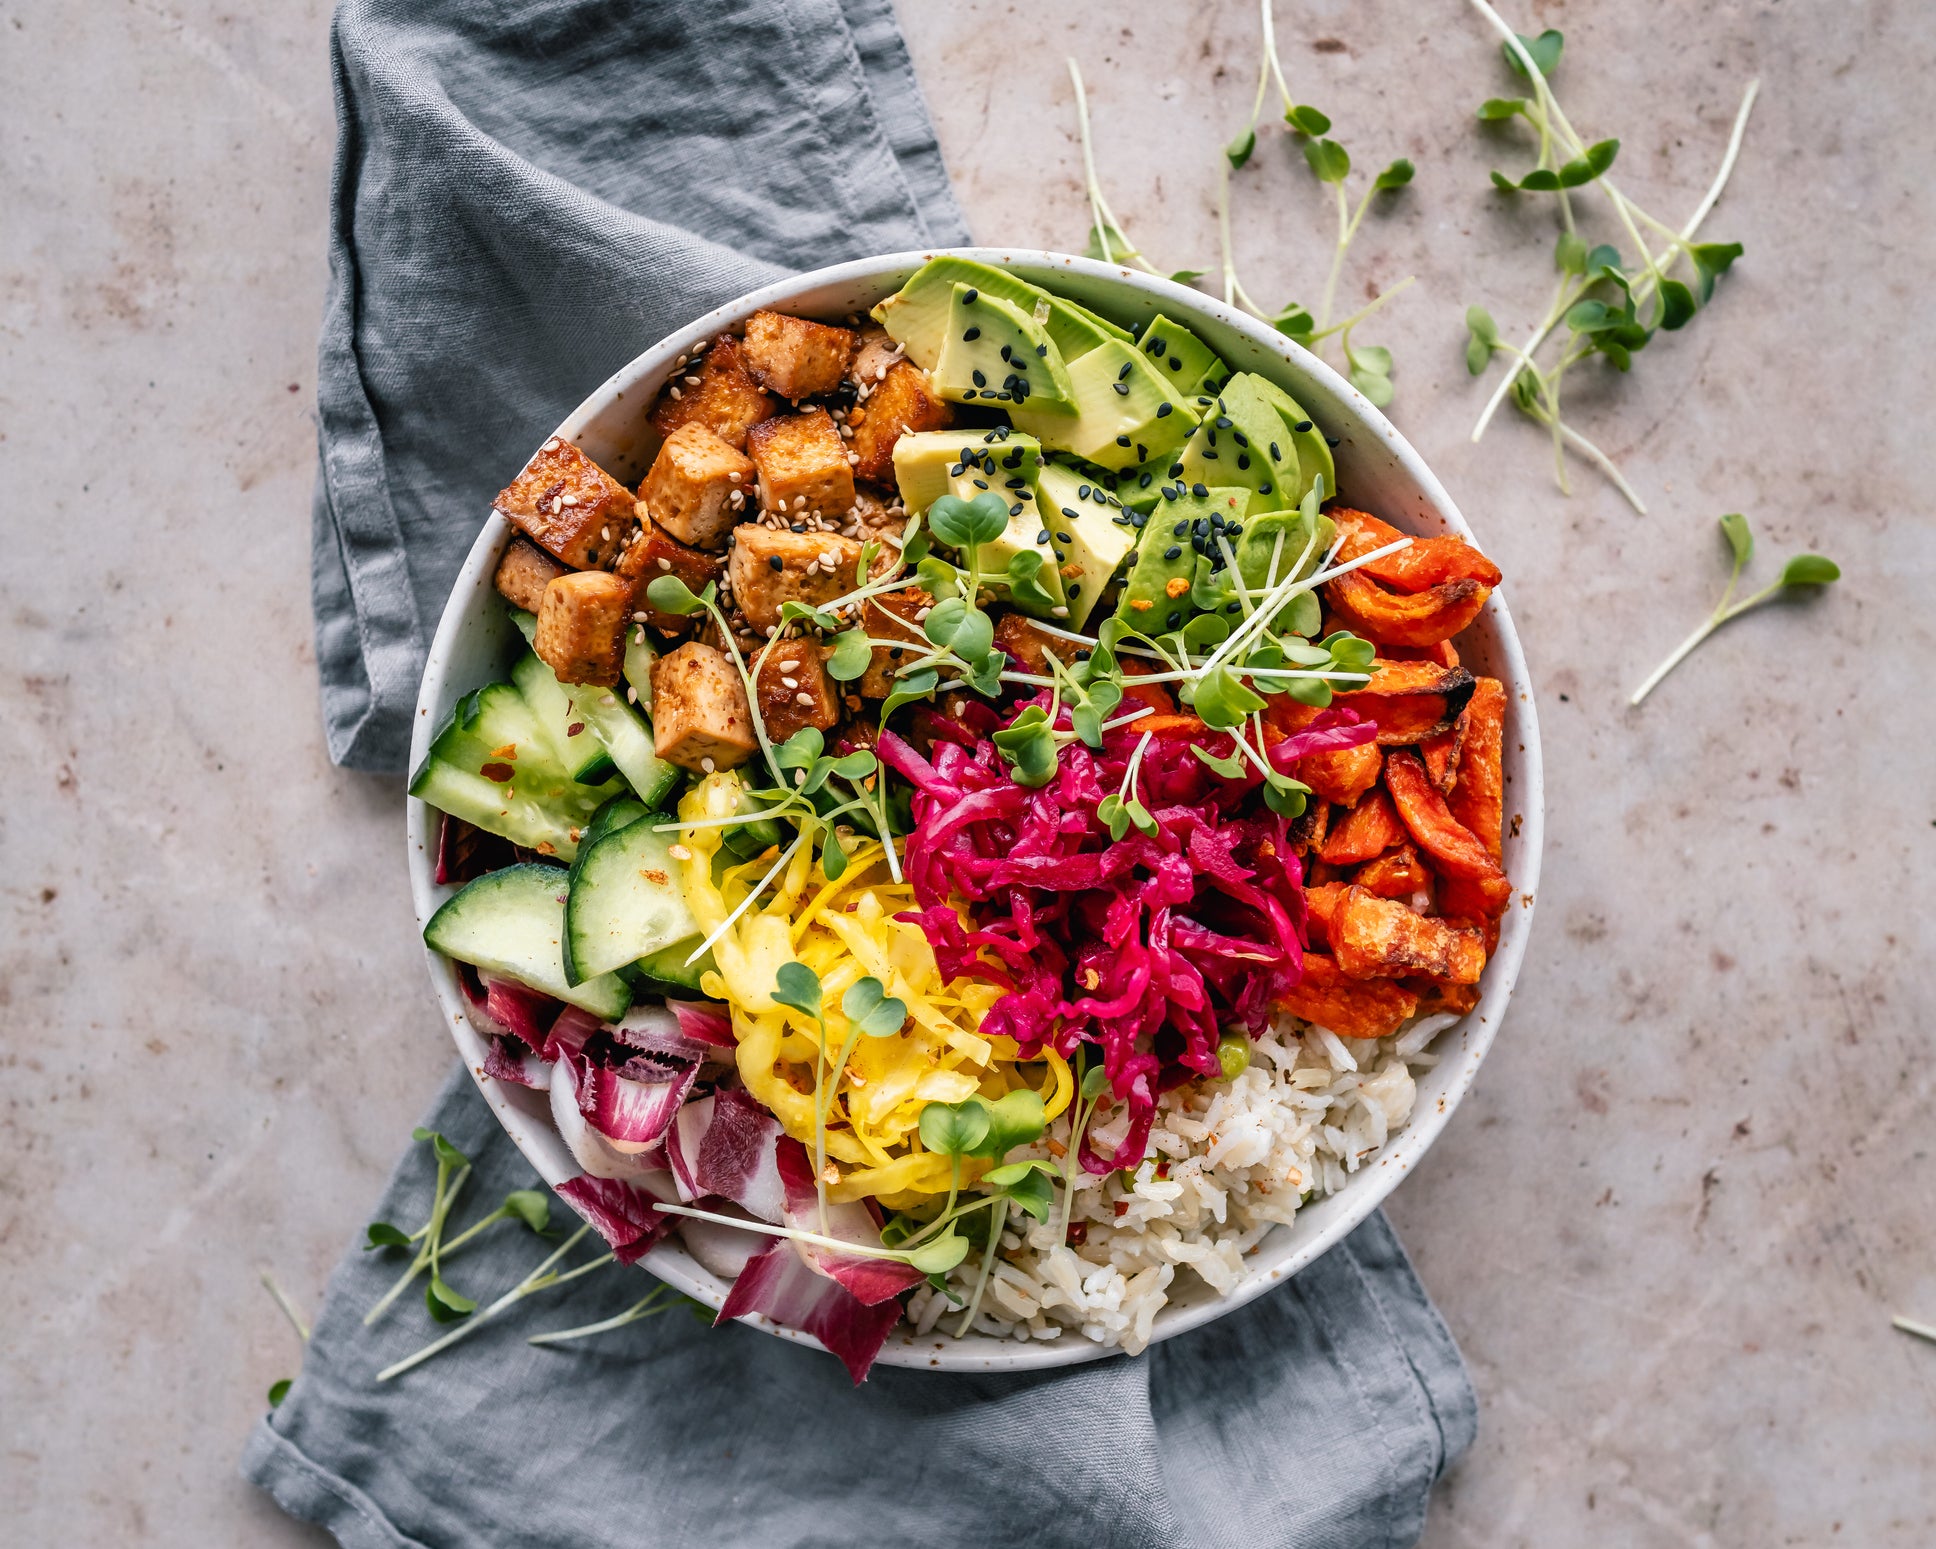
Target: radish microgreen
point(279, 1390)
point(1605, 305)
point(1802, 570)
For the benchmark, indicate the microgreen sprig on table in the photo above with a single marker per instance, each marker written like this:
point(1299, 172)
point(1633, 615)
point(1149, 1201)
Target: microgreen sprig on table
point(1802, 570)
point(279, 1389)
point(1608, 306)
point(1368, 366)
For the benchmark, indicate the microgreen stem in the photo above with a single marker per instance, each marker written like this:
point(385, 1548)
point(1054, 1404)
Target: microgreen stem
point(539, 1279)
point(1365, 311)
point(446, 1195)
point(288, 1307)
point(1911, 1326)
point(1722, 614)
point(1346, 227)
point(987, 1265)
point(745, 903)
point(1105, 217)
point(654, 1301)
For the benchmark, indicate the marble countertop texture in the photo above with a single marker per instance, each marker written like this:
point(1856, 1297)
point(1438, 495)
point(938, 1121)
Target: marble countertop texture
point(1694, 1179)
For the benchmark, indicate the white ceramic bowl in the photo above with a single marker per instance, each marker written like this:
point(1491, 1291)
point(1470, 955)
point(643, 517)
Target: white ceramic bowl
point(1377, 470)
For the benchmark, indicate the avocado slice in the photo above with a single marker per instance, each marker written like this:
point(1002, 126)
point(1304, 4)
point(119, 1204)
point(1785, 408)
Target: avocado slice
point(994, 350)
point(1313, 451)
point(1241, 440)
point(1126, 413)
point(1089, 531)
point(916, 315)
point(932, 463)
point(923, 461)
point(1156, 597)
point(1190, 365)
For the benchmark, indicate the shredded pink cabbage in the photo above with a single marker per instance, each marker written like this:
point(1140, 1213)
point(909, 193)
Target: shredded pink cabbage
point(1145, 948)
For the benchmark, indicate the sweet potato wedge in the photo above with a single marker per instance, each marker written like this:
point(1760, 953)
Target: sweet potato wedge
point(1478, 793)
point(1437, 995)
point(1342, 776)
point(1321, 908)
point(1398, 873)
point(1351, 1008)
point(1428, 562)
point(1374, 938)
point(1411, 701)
point(1455, 851)
point(1368, 829)
point(1478, 903)
point(1309, 828)
point(1405, 618)
point(1440, 751)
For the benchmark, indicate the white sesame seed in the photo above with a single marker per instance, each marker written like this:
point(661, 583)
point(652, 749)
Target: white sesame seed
point(799, 502)
point(853, 459)
point(702, 346)
point(638, 618)
point(607, 699)
point(551, 445)
point(803, 698)
point(664, 563)
point(791, 682)
point(706, 764)
point(1059, 611)
point(674, 391)
point(692, 381)
point(638, 635)
point(680, 362)
point(568, 500)
point(678, 852)
point(918, 617)
point(605, 533)
point(734, 477)
point(772, 630)
point(631, 695)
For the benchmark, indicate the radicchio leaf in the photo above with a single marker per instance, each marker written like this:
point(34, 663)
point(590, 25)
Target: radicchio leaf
point(780, 1284)
point(723, 1146)
point(624, 1215)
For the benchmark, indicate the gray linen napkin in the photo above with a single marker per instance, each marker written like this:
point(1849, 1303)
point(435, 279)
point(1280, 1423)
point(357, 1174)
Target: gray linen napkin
point(1316, 1417)
point(528, 192)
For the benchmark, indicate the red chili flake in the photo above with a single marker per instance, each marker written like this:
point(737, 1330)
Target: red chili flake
point(1122, 1207)
point(574, 729)
point(1078, 1233)
point(509, 750)
point(498, 772)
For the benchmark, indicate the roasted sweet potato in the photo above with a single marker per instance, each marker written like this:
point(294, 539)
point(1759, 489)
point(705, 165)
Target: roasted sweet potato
point(1374, 938)
point(1437, 995)
point(1398, 873)
point(1321, 909)
point(1351, 1008)
point(1440, 751)
point(1478, 793)
point(1454, 849)
point(1405, 618)
point(1410, 701)
point(1428, 562)
point(1309, 827)
point(1342, 776)
point(1368, 829)
point(1478, 902)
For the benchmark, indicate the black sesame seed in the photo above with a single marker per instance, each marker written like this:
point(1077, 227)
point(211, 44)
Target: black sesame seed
point(1181, 527)
point(1014, 459)
point(1175, 469)
point(1333, 441)
point(1082, 491)
point(1207, 452)
point(1122, 521)
point(894, 653)
point(1264, 488)
point(1014, 483)
point(1121, 387)
point(1200, 526)
point(1240, 438)
point(1069, 511)
point(1122, 441)
point(1176, 618)
point(1223, 421)
point(1176, 363)
point(981, 484)
point(955, 470)
point(971, 335)
point(1005, 352)
point(775, 562)
point(1144, 481)
point(1138, 518)
point(1041, 349)
point(1157, 346)
point(1163, 410)
point(1276, 456)
point(1127, 366)
point(1174, 551)
point(1066, 537)
point(1302, 426)
point(1234, 530)
point(1200, 490)
point(978, 379)
point(1232, 607)
point(1005, 397)
point(1170, 494)
point(796, 527)
point(1243, 459)
point(1016, 509)
point(971, 295)
point(1075, 588)
point(1042, 536)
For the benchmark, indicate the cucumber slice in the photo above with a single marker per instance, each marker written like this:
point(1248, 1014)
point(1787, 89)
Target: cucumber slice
point(492, 765)
point(640, 654)
point(614, 815)
point(621, 732)
point(579, 750)
point(513, 922)
point(668, 966)
point(626, 902)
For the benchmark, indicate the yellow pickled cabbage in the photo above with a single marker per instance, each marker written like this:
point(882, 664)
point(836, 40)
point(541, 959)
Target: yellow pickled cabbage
point(844, 931)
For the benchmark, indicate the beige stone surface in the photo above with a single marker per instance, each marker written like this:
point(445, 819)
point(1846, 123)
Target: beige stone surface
point(1695, 1177)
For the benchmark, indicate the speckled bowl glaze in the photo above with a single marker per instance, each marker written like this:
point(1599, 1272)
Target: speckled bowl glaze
point(1377, 470)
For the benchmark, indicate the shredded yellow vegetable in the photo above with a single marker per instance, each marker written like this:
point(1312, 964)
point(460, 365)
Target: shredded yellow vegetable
point(845, 930)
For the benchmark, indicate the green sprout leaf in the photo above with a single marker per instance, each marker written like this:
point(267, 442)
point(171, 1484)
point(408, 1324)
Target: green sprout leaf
point(798, 986)
point(278, 1391)
point(954, 1129)
point(1028, 745)
point(1297, 322)
point(1014, 1119)
point(1185, 276)
point(1120, 250)
point(669, 594)
point(1711, 260)
point(383, 1235)
point(1397, 175)
point(857, 765)
point(939, 1254)
point(872, 1010)
point(448, 1154)
point(1734, 527)
point(1569, 253)
point(1111, 813)
point(852, 655)
point(1306, 119)
point(1094, 1080)
point(801, 749)
point(1237, 152)
point(1032, 1191)
point(445, 1304)
point(530, 1206)
point(1676, 305)
point(1330, 162)
point(1231, 768)
point(915, 686)
point(1544, 49)
point(959, 522)
point(1810, 570)
point(1223, 700)
point(833, 857)
point(1494, 109)
point(1484, 335)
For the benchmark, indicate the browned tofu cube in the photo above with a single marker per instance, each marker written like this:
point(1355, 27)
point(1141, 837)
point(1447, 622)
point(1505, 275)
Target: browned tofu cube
point(793, 689)
point(569, 506)
point(769, 568)
point(725, 399)
point(524, 573)
point(655, 552)
point(1029, 645)
point(901, 401)
point(700, 718)
point(893, 616)
point(690, 490)
point(794, 357)
point(581, 627)
point(803, 465)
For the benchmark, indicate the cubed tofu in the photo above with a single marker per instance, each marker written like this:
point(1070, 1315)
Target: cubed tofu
point(892, 616)
point(803, 465)
point(1030, 645)
point(769, 568)
point(794, 357)
point(875, 355)
point(524, 573)
point(581, 627)
point(901, 401)
point(655, 552)
point(725, 399)
point(569, 506)
point(793, 689)
point(700, 718)
point(879, 516)
point(690, 490)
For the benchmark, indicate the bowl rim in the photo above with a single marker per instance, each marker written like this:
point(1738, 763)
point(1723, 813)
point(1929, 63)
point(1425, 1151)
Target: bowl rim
point(1366, 1189)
